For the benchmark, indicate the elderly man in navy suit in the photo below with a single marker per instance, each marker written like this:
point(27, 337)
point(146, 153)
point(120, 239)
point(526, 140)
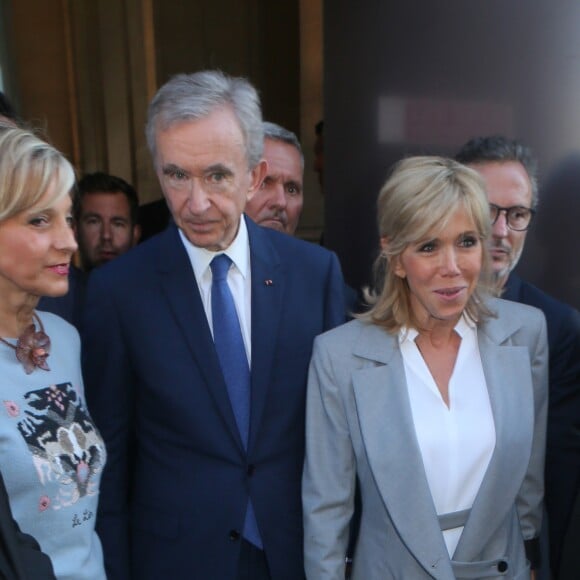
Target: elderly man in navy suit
point(196, 349)
point(509, 171)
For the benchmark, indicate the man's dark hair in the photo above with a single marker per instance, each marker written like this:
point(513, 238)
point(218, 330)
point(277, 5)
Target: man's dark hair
point(499, 148)
point(319, 128)
point(100, 182)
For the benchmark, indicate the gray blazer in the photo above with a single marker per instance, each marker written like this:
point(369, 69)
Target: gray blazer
point(359, 423)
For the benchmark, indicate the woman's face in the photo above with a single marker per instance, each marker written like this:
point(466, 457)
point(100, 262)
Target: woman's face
point(36, 246)
point(442, 271)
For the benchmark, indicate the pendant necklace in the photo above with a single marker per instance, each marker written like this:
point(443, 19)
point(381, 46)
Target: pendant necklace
point(32, 347)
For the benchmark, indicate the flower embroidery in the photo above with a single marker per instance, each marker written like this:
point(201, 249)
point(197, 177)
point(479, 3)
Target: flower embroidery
point(12, 408)
point(65, 445)
point(55, 396)
point(32, 349)
point(43, 503)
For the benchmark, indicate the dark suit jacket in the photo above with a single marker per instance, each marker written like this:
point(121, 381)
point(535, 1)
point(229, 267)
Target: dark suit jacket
point(20, 555)
point(563, 444)
point(176, 486)
point(154, 217)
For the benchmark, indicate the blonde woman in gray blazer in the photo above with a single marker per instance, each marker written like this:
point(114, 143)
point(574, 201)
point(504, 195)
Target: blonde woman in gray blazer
point(435, 401)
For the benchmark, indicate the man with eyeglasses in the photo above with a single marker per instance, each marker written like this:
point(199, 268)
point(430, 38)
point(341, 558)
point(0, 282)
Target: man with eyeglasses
point(509, 172)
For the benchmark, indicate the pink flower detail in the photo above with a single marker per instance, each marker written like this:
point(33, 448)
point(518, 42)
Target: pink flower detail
point(56, 396)
point(12, 408)
point(32, 349)
point(43, 503)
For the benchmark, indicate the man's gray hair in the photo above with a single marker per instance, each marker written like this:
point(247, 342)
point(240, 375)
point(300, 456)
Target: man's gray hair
point(278, 133)
point(188, 97)
point(501, 149)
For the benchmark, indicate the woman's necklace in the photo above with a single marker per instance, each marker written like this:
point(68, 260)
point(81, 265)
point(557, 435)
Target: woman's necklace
point(32, 347)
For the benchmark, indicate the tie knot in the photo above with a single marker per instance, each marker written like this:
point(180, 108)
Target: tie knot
point(220, 266)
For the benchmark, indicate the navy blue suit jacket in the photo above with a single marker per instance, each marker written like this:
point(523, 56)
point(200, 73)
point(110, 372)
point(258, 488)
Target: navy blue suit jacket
point(563, 438)
point(177, 481)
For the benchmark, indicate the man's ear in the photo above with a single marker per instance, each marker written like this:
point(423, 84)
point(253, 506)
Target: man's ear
point(257, 175)
point(136, 234)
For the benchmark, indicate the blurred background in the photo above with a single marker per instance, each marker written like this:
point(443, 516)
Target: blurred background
point(389, 78)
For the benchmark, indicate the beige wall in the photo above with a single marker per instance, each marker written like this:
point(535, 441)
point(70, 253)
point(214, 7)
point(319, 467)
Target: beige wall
point(40, 49)
point(86, 69)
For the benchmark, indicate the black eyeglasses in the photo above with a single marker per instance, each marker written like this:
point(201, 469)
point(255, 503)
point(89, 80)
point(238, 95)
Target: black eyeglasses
point(517, 218)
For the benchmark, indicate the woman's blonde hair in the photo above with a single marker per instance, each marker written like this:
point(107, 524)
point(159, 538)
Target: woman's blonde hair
point(28, 168)
point(418, 200)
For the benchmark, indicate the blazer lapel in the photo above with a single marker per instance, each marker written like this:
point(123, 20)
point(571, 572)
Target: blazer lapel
point(506, 370)
point(393, 453)
point(179, 288)
point(268, 284)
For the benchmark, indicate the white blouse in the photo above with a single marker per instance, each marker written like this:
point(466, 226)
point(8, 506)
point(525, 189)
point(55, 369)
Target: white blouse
point(456, 442)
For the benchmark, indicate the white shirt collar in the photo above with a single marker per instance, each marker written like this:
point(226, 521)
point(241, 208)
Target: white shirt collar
point(463, 327)
point(238, 252)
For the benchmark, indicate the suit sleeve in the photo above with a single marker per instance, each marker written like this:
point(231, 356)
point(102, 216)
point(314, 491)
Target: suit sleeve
point(109, 391)
point(328, 483)
point(34, 564)
point(336, 303)
point(530, 497)
point(563, 444)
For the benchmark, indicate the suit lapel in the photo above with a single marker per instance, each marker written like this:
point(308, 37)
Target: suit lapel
point(393, 453)
point(506, 368)
point(268, 285)
point(179, 288)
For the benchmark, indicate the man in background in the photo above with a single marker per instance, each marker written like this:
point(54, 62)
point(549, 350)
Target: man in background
point(277, 204)
point(509, 172)
point(105, 221)
point(105, 216)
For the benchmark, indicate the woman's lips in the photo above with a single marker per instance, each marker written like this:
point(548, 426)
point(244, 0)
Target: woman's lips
point(60, 269)
point(450, 293)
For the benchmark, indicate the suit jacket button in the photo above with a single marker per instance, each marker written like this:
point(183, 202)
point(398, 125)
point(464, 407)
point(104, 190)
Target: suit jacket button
point(251, 469)
point(234, 535)
point(502, 566)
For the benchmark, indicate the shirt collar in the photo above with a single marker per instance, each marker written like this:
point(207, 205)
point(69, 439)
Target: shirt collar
point(238, 252)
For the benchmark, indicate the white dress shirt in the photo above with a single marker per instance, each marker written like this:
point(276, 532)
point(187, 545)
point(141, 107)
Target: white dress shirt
point(456, 442)
point(239, 279)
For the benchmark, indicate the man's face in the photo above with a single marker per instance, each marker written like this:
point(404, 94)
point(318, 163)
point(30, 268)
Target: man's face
point(508, 185)
point(278, 202)
point(204, 174)
point(104, 228)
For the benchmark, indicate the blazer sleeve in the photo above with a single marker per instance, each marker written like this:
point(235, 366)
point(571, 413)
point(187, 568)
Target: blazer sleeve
point(329, 473)
point(109, 387)
point(530, 497)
